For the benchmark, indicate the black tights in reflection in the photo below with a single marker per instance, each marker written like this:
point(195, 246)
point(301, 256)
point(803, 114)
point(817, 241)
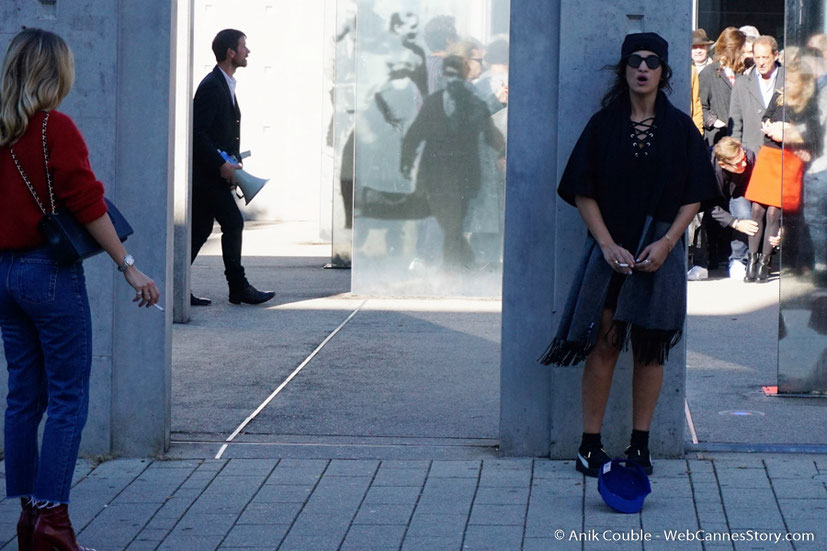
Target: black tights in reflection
point(773, 215)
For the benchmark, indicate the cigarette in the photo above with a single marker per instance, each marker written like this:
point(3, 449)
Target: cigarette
point(161, 308)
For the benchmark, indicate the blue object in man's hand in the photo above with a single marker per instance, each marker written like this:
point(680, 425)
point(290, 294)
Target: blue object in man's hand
point(228, 158)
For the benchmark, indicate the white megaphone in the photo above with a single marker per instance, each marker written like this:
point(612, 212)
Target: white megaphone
point(246, 182)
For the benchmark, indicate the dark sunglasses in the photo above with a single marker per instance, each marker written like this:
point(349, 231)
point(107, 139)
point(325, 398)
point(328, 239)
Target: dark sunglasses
point(652, 61)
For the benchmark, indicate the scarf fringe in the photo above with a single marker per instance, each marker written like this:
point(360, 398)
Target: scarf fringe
point(564, 353)
point(649, 346)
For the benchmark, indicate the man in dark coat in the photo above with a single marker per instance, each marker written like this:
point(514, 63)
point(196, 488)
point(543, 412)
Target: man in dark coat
point(752, 92)
point(216, 128)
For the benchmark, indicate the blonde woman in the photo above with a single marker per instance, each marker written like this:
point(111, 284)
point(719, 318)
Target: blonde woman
point(792, 131)
point(716, 83)
point(44, 308)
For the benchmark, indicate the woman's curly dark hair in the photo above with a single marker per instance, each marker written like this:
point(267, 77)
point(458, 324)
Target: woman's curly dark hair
point(620, 88)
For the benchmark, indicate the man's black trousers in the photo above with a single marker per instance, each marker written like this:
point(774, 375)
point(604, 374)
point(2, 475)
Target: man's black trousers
point(213, 201)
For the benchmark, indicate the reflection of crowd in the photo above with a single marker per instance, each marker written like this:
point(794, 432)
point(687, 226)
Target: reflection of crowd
point(764, 123)
point(445, 138)
point(450, 125)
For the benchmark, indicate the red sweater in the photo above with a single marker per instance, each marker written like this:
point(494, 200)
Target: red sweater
point(75, 186)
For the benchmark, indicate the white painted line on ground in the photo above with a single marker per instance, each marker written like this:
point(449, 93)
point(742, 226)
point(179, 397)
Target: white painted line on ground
point(286, 381)
point(689, 421)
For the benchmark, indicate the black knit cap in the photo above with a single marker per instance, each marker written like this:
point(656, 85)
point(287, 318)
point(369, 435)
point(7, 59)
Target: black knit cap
point(645, 41)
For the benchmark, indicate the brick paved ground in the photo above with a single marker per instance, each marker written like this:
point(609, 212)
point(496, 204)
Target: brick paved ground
point(497, 504)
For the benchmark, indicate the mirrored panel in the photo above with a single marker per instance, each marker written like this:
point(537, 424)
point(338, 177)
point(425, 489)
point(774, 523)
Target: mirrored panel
point(802, 365)
point(341, 132)
point(429, 147)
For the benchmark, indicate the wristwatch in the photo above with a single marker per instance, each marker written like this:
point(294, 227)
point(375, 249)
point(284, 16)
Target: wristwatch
point(127, 262)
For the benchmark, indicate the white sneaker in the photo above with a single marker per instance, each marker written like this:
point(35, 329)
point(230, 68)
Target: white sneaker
point(737, 270)
point(697, 272)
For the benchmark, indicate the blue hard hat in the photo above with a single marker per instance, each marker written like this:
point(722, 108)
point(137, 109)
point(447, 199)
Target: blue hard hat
point(623, 485)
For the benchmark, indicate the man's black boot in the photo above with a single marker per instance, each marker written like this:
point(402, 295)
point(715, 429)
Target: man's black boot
point(249, 295)
point(199, 301)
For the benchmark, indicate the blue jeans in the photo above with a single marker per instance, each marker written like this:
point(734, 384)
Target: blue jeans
point(739, 207)
point(815, 213)
point(47, 335)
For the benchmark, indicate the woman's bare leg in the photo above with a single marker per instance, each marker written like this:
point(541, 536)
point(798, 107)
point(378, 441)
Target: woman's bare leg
point(646, 384)
point(597, 375)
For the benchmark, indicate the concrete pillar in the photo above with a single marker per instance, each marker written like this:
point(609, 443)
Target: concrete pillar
point(121, 103)
point(142, 357)
point(556, 84)
point(528, 270)
point(182, 174)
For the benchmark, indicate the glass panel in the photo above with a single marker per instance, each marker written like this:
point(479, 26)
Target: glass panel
point(430, 147)
point(802, 365)
point(766, 15)
point(341, 131)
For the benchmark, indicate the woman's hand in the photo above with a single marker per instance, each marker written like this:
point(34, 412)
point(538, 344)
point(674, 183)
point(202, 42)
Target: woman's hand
point(502, 93)
point(653, 256)
point(618, 258)
point(775, 130)
point(775, 240)
point(147, 292)
point(804, 155)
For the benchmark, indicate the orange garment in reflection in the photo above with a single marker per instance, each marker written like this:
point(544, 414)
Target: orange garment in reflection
point(776, 179)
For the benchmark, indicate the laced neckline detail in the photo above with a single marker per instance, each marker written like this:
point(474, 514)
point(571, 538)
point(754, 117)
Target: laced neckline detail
point(641, 135)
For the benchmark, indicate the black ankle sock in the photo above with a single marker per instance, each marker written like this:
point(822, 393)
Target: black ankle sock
point(590, 441)
point(640, 439)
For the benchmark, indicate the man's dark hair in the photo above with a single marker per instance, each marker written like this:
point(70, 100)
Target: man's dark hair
point(228, 38)
point(439, 32)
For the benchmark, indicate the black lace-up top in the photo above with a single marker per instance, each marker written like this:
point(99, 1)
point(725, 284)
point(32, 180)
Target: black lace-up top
point(642, 136)
point(619, 162)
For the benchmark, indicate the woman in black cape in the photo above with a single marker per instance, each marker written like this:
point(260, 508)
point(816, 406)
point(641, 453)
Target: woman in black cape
point(638, 174)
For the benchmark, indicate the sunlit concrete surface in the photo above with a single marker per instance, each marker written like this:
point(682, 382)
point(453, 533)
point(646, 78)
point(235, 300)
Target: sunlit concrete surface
point(406, 374)
point(732, 352)
point(723, 296)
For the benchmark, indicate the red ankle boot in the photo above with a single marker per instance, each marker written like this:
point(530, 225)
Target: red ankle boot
point(25, 525)
point(53, 531)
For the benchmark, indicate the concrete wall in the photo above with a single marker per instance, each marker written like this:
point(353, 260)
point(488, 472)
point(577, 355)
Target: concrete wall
point(121, 103)
point(556, 79)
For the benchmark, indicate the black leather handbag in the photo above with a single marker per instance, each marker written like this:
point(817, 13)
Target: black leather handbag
point(67, 239)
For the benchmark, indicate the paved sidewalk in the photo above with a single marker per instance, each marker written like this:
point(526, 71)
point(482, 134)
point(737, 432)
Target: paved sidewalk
point(496, 504)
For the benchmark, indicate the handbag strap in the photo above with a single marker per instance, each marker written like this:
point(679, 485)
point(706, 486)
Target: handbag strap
point(48, 174)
